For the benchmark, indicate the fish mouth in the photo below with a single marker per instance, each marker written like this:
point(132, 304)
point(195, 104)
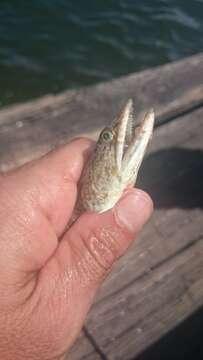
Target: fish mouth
point(132, 141)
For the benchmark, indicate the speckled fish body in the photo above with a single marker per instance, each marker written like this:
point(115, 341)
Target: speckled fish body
point(115, 161)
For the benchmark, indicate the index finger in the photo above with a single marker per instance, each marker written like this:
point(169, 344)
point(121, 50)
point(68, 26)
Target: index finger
point(51, 181)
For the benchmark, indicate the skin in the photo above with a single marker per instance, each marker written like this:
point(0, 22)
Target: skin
point(49, 275)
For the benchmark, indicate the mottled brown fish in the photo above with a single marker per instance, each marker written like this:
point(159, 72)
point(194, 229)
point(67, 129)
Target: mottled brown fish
point(115, 161)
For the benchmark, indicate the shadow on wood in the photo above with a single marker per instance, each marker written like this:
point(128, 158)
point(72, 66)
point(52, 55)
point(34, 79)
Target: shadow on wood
point(183, 343)
point(173, 177)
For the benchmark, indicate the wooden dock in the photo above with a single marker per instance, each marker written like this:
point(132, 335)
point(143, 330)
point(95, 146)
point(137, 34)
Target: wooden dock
point(159, 283)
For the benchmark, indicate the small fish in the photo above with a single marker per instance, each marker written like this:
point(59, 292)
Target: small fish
point(115, 161)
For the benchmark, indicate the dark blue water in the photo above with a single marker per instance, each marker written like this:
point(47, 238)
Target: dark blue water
point(50, 45)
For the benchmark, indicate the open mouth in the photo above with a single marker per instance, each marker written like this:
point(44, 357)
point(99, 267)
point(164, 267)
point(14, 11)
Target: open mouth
point(132, 140)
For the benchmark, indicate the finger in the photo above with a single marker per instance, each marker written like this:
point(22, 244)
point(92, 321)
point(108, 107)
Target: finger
point(36, 202)
point(60, 172)
point(91, 246)
point(51, 182)
point(106, 236)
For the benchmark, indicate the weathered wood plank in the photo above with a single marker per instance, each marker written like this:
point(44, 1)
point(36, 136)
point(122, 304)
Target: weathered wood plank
point(29, 130)
point(137, 316)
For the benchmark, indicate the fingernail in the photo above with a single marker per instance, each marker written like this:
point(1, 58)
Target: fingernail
point(133, 210)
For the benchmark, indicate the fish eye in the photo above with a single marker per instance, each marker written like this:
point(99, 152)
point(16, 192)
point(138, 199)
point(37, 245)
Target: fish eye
point(107, 135)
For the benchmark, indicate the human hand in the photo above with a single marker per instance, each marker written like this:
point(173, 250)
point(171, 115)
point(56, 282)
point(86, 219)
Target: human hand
point(48, 278)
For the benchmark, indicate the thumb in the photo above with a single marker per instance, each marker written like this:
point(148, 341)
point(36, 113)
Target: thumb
point(86, 254)
point(95, 241)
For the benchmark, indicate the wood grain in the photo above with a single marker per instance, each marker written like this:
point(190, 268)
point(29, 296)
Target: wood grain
point(30, 130)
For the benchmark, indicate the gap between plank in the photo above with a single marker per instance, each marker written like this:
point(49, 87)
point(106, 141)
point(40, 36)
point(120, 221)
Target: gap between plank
point(94, 344)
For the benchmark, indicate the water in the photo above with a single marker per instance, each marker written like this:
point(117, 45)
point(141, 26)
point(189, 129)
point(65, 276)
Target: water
point(51, 45)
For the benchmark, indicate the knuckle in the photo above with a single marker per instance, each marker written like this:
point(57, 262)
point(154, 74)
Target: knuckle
point(104, 247)
point(100, 252)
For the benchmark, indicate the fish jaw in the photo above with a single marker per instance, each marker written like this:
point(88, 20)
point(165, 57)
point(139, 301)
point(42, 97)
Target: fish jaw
point(115, 163)
point(135, 152)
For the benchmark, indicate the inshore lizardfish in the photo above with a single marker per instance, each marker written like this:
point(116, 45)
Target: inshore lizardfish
point(115, 161)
